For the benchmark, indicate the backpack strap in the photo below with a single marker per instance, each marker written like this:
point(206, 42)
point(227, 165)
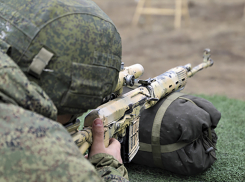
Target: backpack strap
point(155, 134)
point(164, 148)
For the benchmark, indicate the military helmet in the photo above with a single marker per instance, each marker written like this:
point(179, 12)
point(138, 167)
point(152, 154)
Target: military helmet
point(68, 47)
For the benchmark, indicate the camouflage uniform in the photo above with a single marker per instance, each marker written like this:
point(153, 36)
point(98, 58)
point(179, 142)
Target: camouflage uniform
point(33, 146)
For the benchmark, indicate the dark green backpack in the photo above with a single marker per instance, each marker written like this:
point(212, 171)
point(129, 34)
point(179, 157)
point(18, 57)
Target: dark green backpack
point(177, 134)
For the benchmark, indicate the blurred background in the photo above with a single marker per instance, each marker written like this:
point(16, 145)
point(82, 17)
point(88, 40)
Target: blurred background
point(156, 44)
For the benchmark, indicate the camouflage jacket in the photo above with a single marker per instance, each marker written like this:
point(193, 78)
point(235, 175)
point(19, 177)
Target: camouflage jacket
point(33, 146)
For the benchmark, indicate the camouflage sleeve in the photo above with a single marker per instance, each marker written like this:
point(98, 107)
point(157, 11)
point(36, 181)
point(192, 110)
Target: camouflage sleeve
point(109, 168)
point(34, 148)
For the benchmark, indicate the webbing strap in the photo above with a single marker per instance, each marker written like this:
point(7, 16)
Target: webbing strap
point(155, 134)
point(164, 148)
point(187, 100)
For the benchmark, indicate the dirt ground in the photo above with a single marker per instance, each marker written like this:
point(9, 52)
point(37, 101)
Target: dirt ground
point(215, 24)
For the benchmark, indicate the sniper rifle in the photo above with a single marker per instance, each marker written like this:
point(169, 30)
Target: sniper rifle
point(121, 115)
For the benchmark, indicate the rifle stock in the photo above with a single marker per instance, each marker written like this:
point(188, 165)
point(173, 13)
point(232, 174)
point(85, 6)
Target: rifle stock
point(120, 116)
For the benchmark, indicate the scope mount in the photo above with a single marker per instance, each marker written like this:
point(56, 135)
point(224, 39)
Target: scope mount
point(146, 82)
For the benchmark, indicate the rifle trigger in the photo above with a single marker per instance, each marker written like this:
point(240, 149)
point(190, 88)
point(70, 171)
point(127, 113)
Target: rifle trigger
point(153, 99)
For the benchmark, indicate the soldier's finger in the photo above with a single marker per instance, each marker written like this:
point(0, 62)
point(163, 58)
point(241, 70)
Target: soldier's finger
point(98, 134)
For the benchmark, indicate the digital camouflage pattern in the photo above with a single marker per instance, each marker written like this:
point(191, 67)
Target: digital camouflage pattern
point(15, 88)
point(83, 39)
point(84, 68)
point(36, 148)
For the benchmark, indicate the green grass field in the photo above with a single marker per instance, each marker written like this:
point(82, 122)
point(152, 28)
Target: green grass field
point(230, 165)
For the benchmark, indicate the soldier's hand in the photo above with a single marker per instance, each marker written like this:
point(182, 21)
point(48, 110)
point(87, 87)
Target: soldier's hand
point(98, 142)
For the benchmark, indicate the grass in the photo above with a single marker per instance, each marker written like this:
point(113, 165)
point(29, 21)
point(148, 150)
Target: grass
point(230, 165)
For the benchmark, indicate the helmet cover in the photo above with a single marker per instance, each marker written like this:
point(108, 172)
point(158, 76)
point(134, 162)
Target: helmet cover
point(68, 47)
